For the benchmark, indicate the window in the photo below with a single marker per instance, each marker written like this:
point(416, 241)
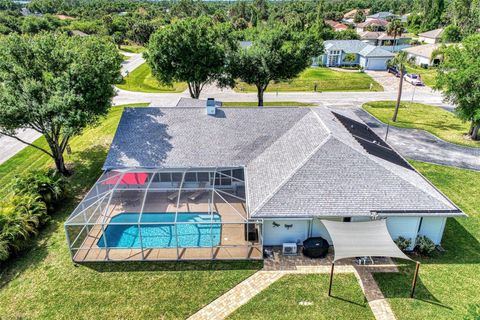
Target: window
point(191, 177)
point(165, 177)
point(238, 174)
point(203, 177)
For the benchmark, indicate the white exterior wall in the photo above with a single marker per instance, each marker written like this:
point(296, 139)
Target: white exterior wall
point(406, 227)
point(428, 40)
point(419, 59)
point(275, 236)
point(363, 62)
point(319, 230)
point(433, 227)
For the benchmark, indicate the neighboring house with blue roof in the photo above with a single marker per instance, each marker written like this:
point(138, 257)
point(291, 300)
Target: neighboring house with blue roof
point(367, 56)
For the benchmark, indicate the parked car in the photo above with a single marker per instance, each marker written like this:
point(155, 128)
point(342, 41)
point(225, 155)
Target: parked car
point(394, 71)
point(414, 79)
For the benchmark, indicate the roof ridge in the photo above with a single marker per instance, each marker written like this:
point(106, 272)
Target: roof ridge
point(285, 132)
point(371, 158)
point(307, 158)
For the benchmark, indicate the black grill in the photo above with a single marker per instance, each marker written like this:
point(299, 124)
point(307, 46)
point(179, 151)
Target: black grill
point(315, 247)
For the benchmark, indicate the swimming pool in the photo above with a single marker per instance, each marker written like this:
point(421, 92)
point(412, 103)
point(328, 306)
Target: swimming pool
point(162, 235)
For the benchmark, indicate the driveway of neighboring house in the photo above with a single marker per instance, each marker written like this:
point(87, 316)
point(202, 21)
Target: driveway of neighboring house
point(390, 84)
point(423, 146)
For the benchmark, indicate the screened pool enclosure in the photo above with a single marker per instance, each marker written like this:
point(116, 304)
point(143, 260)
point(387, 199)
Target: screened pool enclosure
point(184, 214)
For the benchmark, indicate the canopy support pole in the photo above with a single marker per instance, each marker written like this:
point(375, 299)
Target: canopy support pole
point(331, 280)
point(415, 276)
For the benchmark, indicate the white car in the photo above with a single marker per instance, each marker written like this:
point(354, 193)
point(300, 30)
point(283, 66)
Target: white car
point(414, 79)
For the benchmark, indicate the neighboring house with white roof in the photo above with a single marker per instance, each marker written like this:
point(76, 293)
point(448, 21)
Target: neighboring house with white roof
point(367, 56)
point(222, 183)
point(422, 54)
point(387, 42)
point(382, 15)
point(432, 36)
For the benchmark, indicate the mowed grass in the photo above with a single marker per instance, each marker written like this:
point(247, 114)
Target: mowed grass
point(449, 283)
point(428, 75)
point(435, 120)
point(43, 283)
point(323, 79)
point(285, 299)
point(268, 104)
point(142, 80)
point(132, 48)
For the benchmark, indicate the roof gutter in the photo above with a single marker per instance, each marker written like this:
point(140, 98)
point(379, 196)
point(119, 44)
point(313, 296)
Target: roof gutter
point(439, 213)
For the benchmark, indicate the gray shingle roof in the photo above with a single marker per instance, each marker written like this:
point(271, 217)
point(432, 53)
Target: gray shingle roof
point(372, 51)
point(424, 50)
point(434, 34)
point(188, 137)
point(298, 161)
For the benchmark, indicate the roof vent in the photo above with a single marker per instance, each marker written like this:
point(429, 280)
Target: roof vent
point(211, 106)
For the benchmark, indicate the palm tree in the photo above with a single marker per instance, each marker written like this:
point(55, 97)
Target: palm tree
point(400, 61)
point(395, 29)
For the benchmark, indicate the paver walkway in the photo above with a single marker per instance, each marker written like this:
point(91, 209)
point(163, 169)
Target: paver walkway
point(377, 302)
point(237, 296)
point(423, 146)
point(226, 304)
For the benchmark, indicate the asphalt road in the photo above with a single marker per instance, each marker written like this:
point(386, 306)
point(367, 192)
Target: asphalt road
point(413, 144)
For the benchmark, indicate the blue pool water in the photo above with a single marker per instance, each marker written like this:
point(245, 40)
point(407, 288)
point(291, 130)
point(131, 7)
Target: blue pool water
point(162, 235)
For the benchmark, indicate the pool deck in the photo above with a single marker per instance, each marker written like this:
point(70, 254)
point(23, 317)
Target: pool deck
point(232, 245)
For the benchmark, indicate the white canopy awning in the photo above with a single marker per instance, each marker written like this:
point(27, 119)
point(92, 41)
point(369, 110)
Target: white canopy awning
point(359, 239)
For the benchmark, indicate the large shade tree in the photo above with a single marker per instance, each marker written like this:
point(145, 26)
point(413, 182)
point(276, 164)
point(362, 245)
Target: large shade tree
point(275, 55)
point(459, 78)
point(191, 50)
point(56, 85)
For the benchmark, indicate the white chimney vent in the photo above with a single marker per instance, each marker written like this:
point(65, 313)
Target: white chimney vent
point(211, 106)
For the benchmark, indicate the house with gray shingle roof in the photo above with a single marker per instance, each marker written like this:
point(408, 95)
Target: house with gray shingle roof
point(431, 37)
point(222, 183)
point(338, 53)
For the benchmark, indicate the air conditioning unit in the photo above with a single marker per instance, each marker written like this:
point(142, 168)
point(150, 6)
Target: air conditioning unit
point(289, 249)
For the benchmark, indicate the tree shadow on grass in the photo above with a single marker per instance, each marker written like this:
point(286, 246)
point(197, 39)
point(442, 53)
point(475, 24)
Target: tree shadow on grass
point(130, 266)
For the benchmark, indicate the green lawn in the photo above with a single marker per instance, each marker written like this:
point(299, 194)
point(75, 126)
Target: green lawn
point(132, 48)
point(142, 80)
point(281, 300)
point(326, 80)
point(449, 283)
point(428, 75)
point(435, 120)
point(269, 104)
point(43, 283)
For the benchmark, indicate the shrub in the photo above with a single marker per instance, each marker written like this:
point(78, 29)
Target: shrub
point(20, 218)
point(424, 245)
point(403, 243)
point(49, 185)
point(23, 213)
